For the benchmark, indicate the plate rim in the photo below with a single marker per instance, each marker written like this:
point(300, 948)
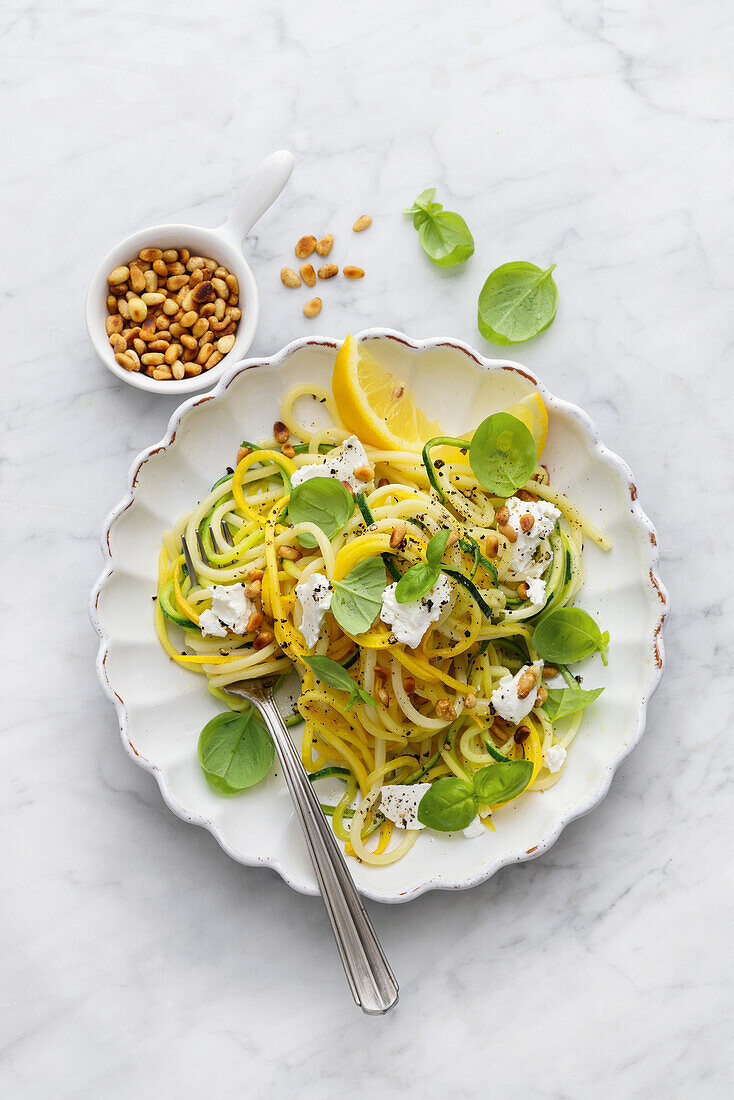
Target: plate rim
point(654, 581)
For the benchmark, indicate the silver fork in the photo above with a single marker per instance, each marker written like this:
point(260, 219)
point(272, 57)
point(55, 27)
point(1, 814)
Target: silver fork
point(370, 977)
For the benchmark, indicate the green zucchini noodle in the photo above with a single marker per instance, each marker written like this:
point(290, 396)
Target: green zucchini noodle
point(433, 714)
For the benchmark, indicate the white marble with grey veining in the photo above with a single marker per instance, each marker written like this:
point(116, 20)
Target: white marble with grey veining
point(137, 960)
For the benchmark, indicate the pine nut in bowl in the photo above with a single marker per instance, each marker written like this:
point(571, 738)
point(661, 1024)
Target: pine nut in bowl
point(172, 306)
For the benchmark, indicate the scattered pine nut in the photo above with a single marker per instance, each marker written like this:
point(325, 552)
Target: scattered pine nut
point(254, 622)
point(491, 545)
point(445, 710)
point(398, 534)
point(305, 247)
point(502, 514)
point(243, 453)
point(526, 683)
point(470, 701)
point(264, 638)
point(542, 696)
point(364, 222)
point(452, 539)
point(308, 274)
point(312, 307)
point(324, 245)
point(351, 272)
point(290, 553)
point(509, 532)
point(288, 277)
point(288, 450)
point(364, 473)
point(527, 521)
point(549, 671)
point(281, 434)
point(382, 696)
point(328, 271)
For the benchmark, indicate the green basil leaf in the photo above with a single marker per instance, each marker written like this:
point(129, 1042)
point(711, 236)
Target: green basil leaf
point(502, 782)
point(450, 805)
point(415, 582)
point(323, 501)
point(437, 547)
point(502, 454)
point(235, 751)
point(358, 597)
point(336, 676)
point(518, 301)
point(568, 634)
point(564, 701)
point(444, 235)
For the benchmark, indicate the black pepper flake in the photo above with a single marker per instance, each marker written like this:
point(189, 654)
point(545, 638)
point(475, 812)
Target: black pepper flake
point(439, 463)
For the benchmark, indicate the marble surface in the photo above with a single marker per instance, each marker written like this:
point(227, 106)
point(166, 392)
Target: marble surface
point(137, 959)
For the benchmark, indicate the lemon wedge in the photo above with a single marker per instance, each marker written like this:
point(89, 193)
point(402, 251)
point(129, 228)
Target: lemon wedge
point(375, 405)
point(532, 413)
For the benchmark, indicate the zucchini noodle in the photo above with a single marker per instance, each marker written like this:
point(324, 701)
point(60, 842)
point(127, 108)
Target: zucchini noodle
point(432, 714)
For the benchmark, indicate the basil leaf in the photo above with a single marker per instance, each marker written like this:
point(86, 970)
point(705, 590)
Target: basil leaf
point(235, 751)
point(569, 634)
point(444, 235)
point(323, 501)
point(450, 805)
point(336, 676)
point(564, 701)
point(502, 454)
point(502, 782)
point(358, 597)
point(437, 547)
point(518, 301)
point(415, 582)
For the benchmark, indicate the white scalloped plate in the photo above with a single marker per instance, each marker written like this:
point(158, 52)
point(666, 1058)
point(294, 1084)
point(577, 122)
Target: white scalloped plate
point(161, 708)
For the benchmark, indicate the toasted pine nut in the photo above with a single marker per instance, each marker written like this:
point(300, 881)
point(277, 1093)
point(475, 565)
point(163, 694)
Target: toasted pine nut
point(153, 298)
point(205, 353)
point(254, 622)
point(177, 281)
point(153, 358)
point(111, 303)
point(287, 448)
point(124, 361)
point(170, 255)
point(281, 434)
point(162, 374)
point(381, 674)
point(139, 345)
point(502, 515)
point(225, 344)
point(207, 338)
point(151, 281)
point(409, 684)
point(220, 287)
point(362, 223)
point(526, 683)
point(328, 271)
point(308, 274)
point(118, 275)
point(445, 710)
point(491, 545)
point(398, 534)
point(527, 521)
point(160, 268)
point(383, 696)
point(172, 353)
point(234, 286)
point(118, 343)
point(189, 319)
point(452, 539)
point(207, 310)
point(305, 247)
point(137, 279)
point(291, 553)
point(219, 309)
point(509, 532)
point(364, 473)
point(183, 255)
point(313, 307)
point(214, 358)
point(175, 328)
point(347, 486)
point(158, 345)
point(352, 272)
point(188, 341)
point(204, 292)
point(323, 247)
point(123, 309)
point(150, 254)
point(175, 269)
point(192, 369)
point(193, 262)
point(542, 696)
point(253, 589)
point(113, 324)
point(470, 701)
point(200, 327)
point(549, 671)
point(521, 734)
point(233, 313)
point(288, 277)
point(523, 591)
point(178, 369)
point(243, 453)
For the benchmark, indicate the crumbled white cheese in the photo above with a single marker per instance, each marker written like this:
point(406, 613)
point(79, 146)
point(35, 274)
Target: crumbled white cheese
point(475, 828)
point(555, 758)
point(399, 803)
point(314, 595)
point(524, 561)
point(536, 590)
point(507, 703)
point(231, 608)
point(410, 621)
point(339, 463)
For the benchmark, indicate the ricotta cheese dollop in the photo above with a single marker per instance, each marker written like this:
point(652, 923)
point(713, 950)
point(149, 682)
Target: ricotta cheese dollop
point(475, 828)
point(314, 595)
point(339, 464)
point(555, 758)
point(399, 803)
point(410, 621)
point(230, 611)
point(507, 703)
point(525, 563)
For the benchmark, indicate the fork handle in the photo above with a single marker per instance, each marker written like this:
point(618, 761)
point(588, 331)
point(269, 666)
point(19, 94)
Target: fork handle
point(371, 980)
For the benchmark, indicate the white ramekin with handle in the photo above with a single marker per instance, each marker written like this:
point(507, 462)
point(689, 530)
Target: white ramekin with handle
point(223, 244)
